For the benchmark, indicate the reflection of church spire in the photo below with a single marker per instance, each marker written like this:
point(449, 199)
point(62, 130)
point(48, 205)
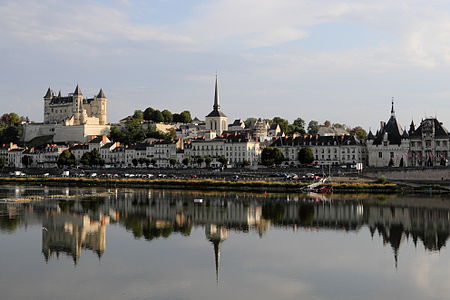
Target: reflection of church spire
point(216, 235)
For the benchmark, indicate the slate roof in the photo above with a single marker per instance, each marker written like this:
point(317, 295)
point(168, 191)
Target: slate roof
point(439, 130)
point(393, 130)
point(316, 140)
point(101, 94)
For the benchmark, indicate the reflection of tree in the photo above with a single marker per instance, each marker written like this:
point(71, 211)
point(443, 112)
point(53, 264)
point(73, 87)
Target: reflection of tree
point(273, 211)
point(91, 205)
point(66, 206)
point(306, 214)
point(140, 226)
point(8, 224)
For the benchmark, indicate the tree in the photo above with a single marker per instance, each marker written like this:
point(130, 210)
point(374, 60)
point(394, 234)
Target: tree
point(135, 162)
point(313, 127)
point(186, 161)
point(245, 163)
point(157, 116)
point(167, 116)
point(327, 123)
point(141, 161)
point(250, 121)
point(186, 117)
point(66, 158)
point(271, 156)
point(138, 115)
point(282, 123)
point(148, 113)
point(391, 163)
point(172, 161)
point(208, 161)
point(11, 119)
point(199, 161)
point(223, 160)
point(177, 118)
point(306, 155)
point(27, 160)
point(359, 132)
point(153, 162)
point(297, 126)
point(11, 134)
point(92, 159)
point(2, 161)
point(147, 162)
point(401, 163)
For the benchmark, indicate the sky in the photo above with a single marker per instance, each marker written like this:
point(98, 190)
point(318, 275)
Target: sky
point(341, 61)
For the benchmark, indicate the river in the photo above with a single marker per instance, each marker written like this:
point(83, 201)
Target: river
point(87, 243)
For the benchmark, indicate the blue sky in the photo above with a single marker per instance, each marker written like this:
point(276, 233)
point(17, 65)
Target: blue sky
point(324, 60)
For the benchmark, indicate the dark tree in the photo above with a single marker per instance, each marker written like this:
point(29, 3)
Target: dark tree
point(186, 117)
point(313, 127)
point(208, 161)
point(186, 161)
point(223, 160)
point(66, 158)
point(271, 156)
point(306, 155)
point(27, 160)
point(148, 113)
point(167, 115)
point(199, 161)
point(172, 161)
point(135, 162)
point(359, 132)
point(282, 122)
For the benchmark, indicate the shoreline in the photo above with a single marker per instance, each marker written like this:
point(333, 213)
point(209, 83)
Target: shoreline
point(224, 185)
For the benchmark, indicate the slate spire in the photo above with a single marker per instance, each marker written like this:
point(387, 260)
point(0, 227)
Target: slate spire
point(49, 93)
point(101, 94)
point(77, 91)
point(216, 105)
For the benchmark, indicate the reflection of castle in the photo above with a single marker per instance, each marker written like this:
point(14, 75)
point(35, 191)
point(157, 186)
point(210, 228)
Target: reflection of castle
point(70, 233)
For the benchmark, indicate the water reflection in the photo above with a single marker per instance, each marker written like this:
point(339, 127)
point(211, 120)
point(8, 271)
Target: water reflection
point(74, 224)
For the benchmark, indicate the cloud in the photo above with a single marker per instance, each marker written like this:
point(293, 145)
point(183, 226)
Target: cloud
point(75, 22)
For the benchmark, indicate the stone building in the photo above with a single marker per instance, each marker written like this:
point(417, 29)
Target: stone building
point(327, 150)
point(429, 144)
point(390, 145)
point(69, 119)
point(74, 109)
point(216, 120)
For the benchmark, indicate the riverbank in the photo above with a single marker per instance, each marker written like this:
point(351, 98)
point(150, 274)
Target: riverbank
point(217, 184)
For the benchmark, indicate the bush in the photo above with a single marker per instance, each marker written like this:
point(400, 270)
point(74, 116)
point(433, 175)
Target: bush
point(382, 180)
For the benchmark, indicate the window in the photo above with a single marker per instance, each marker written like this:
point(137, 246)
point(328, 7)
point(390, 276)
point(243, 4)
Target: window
point(380, 154)
point(385, 144)
point(392, 154)
point(413, 144)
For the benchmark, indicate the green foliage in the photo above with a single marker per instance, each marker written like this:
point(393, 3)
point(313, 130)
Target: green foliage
point(223, 160)
point(186, 161)
point(172, 161)
point(66, 158)
point(208, 161)
point(313, 127)
point(306, 155)
point(10, 120)
point(359, 132)
point(10, 134)
point(2, 161)
point(271, 156)
point(92, 159)
point(382, 180)
point(250, 121)
point(157, 116)
point(282, 123)
point(167, 115)
point(298, 126)
point(138, 115)
point(135, 162)
point(245, 163)
point(186, 117)
point(199, 160)
point(148, 113)
point(27, 160)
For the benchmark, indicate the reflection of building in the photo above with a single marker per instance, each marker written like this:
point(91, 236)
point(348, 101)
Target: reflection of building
point(216, 235)
point(70, 233)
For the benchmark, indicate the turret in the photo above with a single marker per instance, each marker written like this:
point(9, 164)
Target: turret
point(102, 107)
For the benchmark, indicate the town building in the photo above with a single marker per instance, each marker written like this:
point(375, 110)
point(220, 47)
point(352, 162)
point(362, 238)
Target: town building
point(429, 144)
point(216, 120)
point(390, 145)
point(69, 119)
point(327, 150)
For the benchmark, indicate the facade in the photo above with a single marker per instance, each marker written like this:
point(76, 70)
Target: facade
point(327, 150)
point(429, 144)
point(390, 145)
point(216, 120)
point(69, 119)
point(74, 109)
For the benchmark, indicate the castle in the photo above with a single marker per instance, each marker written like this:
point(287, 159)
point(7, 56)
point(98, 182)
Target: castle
point(72, 118)
point(74, 109)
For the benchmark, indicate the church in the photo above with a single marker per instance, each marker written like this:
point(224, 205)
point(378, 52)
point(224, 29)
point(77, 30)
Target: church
point(216, 120)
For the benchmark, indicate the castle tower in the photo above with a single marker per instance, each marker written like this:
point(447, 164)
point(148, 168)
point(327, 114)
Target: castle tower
point(47, 99)
point(101, 98)
point(216, 120)
point(78, 106)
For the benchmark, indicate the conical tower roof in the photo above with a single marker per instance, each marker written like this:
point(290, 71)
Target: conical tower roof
point(101, 94)
point(77, 91)
point(49, 93)
point(216, 107)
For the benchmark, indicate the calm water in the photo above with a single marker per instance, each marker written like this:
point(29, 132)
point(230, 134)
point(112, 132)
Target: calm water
point(159, 244)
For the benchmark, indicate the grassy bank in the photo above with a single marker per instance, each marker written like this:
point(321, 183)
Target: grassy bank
point(210, 184)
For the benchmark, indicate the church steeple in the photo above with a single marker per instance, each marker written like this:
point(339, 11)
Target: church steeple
point(216, 105)
point(392, 108)
point(77, 91)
